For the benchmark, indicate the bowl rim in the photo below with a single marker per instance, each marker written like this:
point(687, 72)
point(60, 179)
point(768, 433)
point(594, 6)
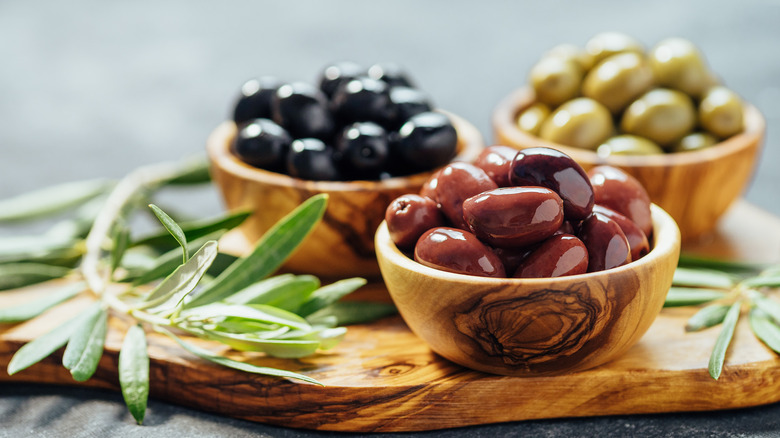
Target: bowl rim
point(218, 143)
point(504, 126)
point(666, 241)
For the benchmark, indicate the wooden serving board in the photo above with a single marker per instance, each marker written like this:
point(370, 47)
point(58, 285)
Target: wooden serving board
point(383, 378)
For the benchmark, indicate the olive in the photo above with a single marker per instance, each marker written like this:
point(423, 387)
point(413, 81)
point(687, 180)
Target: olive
point(333, 75)
point(694, 141)
point(390, 73)
point(310, 158)
point(512, 257)
point(565, 228)
point(580, 122)
point(570, 52)
point(678, 64)
point(558, 172)
point(621, 192)
point(555, 80)
point(628, 145)
point(458, 251)
point(254, 102)
point(409, 216)
point(618, 80)
point(407, 102)
point(514, 216)
point(428, 188)
point(362, 99)
point(606, 44)
point(427, 140)
point(456, 183)
point(661, 115)
point(607, 245)
point(637, 240)
point(262, 143)
point(496, 162)
point(363, 147)
point(720, 112)
point(530, 119)
point(558, 256)
point(303, 111)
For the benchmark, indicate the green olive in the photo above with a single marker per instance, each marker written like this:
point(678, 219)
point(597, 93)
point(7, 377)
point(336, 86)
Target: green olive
point(694, 141)
point(678, 64)
point(530, 119)
point(720, 112)
point(581, 122)
point(555, 80)
point(606, 44)
point(572, 53)
point(661, 115)
point(618, 80)
point(628, 145)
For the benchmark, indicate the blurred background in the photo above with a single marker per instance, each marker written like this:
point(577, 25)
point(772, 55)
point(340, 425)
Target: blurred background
point(92, 88)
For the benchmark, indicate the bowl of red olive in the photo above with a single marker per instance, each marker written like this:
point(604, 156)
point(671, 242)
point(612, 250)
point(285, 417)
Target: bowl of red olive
point(364, 136)
point(660, 114)
point(524, 264)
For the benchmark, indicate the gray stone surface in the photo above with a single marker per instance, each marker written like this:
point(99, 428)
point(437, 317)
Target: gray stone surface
point(92, 88)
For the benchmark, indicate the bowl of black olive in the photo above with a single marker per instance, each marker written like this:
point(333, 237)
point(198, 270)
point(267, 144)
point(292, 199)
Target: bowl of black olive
point(364, 136)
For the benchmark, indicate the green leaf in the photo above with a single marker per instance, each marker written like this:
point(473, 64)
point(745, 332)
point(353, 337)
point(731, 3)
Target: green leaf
point(30, 310)
point(242, 366)
point(765, 329)
point(85, 347)
point(134, 372)
point(50, 200)
point(194, 230)
point(689, 296)
point(329, 294)
point(120, 240)
point(702, 278)
point(44, 345)
point(15, 275)
point(173, 228)
point(286, 349)
point(193, 171)
point(767, 305)
point(724, 339)
point(707, 317)
point(763, 281)
point(353, 312)
point(166, 263)
point(737, 267)
point(251, 312)
point(270, 252)
point(18, 249)
point(286, 292)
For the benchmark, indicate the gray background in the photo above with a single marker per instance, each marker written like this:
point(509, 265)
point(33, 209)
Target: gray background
point(96, 89)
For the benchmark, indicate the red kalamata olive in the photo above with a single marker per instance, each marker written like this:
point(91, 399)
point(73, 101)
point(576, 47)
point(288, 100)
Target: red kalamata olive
point(558, 256)
point(456, 183)
point(454, 250)
point(621, 192)
point(514, 216)
point(409, 216)
point(558, 172)
point(512, 257)
point(637, 240)
point(607, 245)
point(495, 161)
point(565, 228)
point(428, 189)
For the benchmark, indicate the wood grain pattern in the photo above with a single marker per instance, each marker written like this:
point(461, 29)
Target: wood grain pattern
point(696, 188)
point(527, 327)
point(383, 378)
point(342, 245)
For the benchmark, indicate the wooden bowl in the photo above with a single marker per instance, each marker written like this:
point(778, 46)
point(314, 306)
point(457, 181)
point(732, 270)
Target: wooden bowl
point(696, 188)
point(342, 245)
point(531, 327)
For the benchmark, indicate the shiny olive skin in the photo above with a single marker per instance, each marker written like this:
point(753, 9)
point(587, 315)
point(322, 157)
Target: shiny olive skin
point(335, 74)
point(621, 192)
point(363, 149)
point(255, 99)
point(406, 102)
point(310, 158)
point(558, 172)
point(565, 228)
point(362, 99)
point(514, 216)
point(262, 143)
point(459, 251)
point(628, 145)
point(456, 183)
point(694, 141)
point(496, 162)
point(512, 257)
point(637, 240)
point(678, 64)
point(302, 110)
point(661, 115)
point(555, 80)
point(618, 80)
point(428, 188)
point(427, 140)
point(572, 53)
point(720, 112)
point(559, 256)
point(530, 119)
point(390, 73)
point(581, 122)
point(606, 44)
point(409, 216)
point(607, 245)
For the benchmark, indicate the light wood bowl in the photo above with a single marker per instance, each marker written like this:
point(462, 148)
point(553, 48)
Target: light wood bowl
point(342, 244)
point(532, 327)
point(696, 188)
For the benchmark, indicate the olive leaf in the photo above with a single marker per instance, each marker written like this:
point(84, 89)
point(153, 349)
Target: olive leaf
point(767, 305)
point(173, 228)
point(353, 312)
point(134, 372)
point(689, 296)
point(39, 248)
point(712, 264)
point(192, 171)
point(718, 355)
point(51, 200)
point(765, 329)
point(30, 310)
point(121, 241)
point(194, 230)
point(763, 281)
point(285, 292)
point(166, 263)
point(708, 316)
point(282, 348)
point(329, 294)
point(708, 278)
point(15, 275)
point(85, 346)
point(250, 312)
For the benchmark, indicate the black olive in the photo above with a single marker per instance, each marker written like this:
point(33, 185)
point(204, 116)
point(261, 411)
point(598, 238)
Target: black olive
point(334, 74)
point(362, 100)
point(363, 148)
point(390, 73)
point(407, 102)
point(310, 158)
point(262, 143)
point(303, 111)
point(254, 102)
point(427, 140)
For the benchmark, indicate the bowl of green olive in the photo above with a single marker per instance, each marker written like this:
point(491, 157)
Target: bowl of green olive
point(660, 114)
